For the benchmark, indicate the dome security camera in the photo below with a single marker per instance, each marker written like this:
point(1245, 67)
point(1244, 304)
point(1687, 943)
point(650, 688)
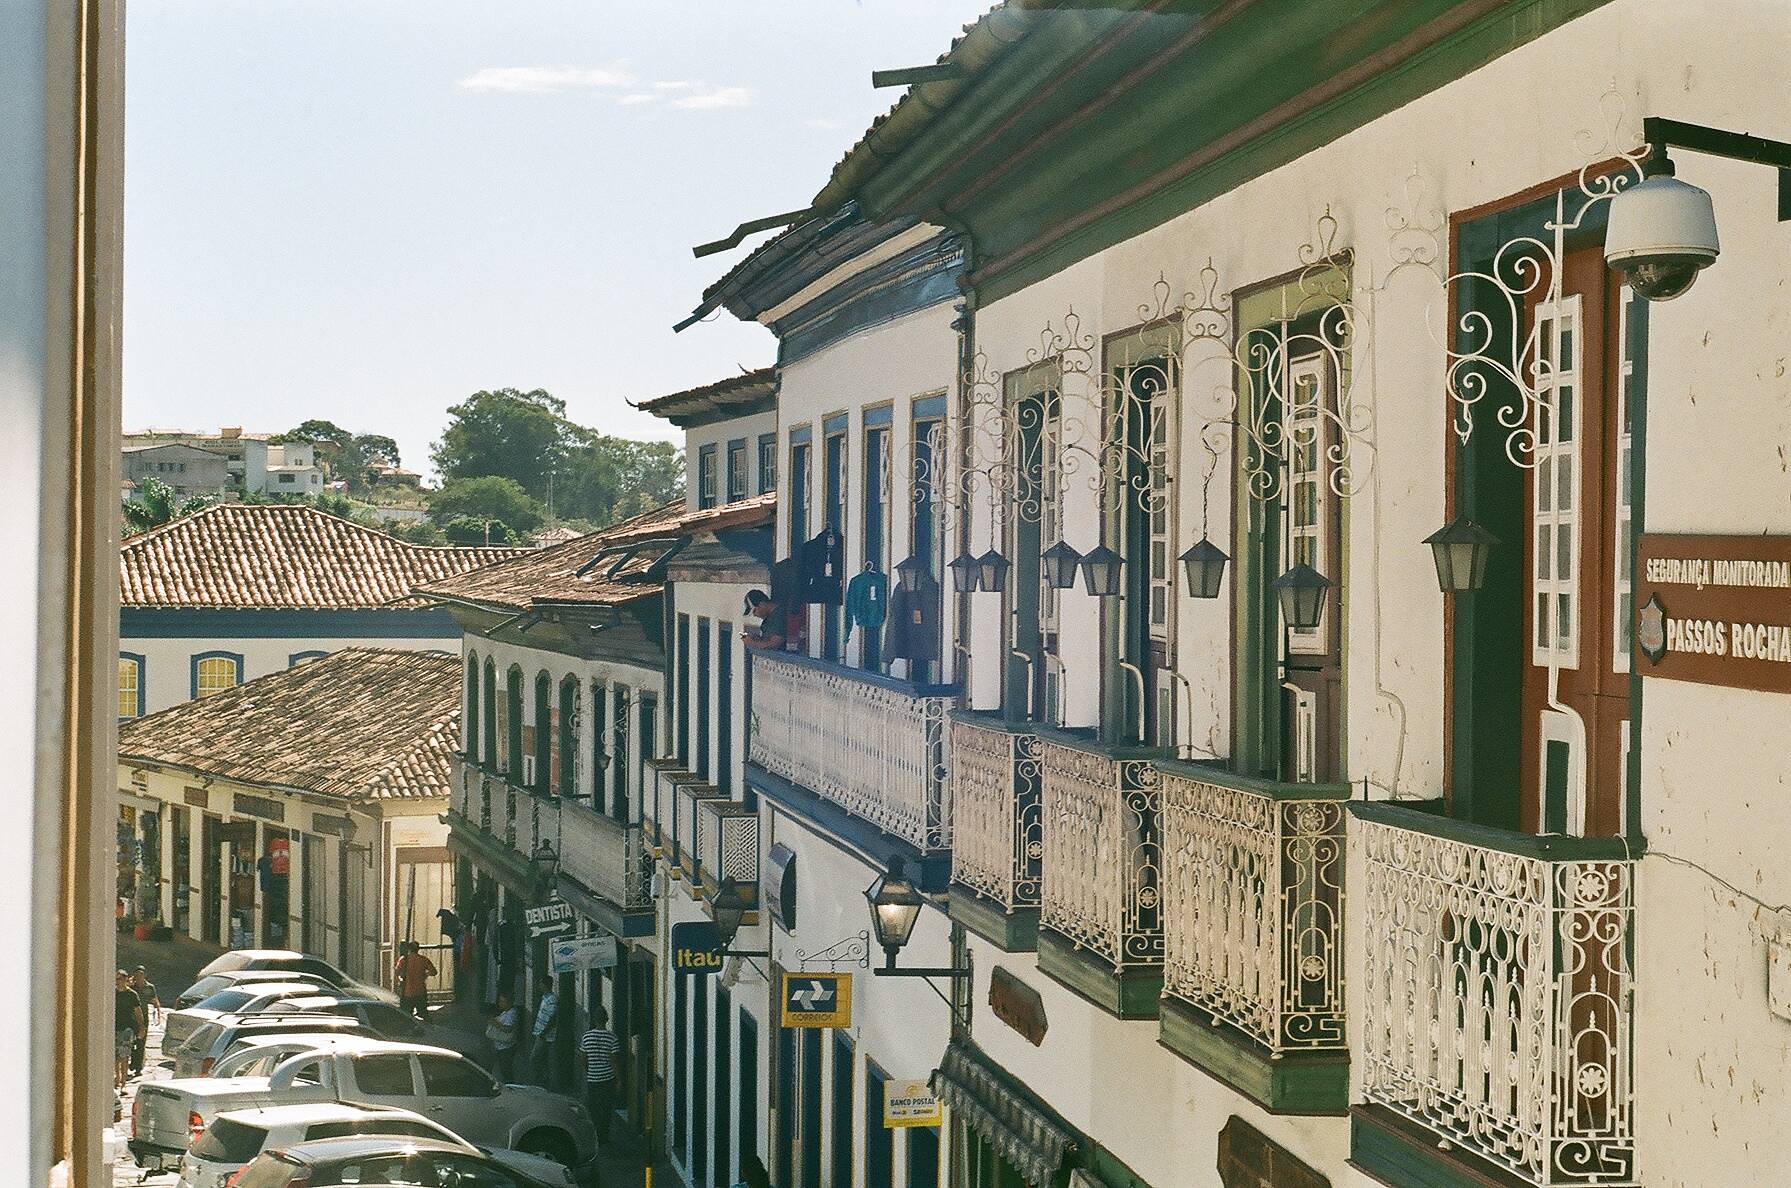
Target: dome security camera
point(1661, 234)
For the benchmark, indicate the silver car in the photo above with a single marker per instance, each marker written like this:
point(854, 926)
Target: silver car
point(178, 1026)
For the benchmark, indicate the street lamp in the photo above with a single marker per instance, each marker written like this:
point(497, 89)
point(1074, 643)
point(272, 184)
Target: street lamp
point(1205, 563)
point(895, 905)
point(1301, 592)
point(911, 569)
point(964, 573)
point(1101, 568)
point(991, 570)
point(1460, 549)
point(728, 908)
point(1060, 562)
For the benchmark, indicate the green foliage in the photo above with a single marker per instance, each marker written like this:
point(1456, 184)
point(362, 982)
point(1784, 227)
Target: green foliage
point(423, 532)
point(488, 497)
point(586, 475)
point(478, 530)
point(156, 504)
point(344, 455)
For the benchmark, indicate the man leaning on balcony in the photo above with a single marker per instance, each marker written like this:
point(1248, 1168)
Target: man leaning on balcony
point(770, 631)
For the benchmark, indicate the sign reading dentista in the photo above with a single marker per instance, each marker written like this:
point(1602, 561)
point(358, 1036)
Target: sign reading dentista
point(1715, 610)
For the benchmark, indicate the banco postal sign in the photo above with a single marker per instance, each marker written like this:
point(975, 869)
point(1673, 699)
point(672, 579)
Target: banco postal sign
point(817, 1000)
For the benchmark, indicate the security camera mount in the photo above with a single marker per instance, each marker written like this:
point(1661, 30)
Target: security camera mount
point(1663, 134)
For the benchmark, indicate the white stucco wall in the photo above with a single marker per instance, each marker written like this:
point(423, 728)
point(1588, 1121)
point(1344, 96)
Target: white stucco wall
point(747, 429)
point(1711, 1062)
point(168, 660)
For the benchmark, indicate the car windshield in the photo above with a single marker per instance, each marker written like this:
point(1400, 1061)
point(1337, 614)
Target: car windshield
point(204, 1036)
point(229, 1141)
point(224, 1000)
point(209, 984)
point(269, 1171)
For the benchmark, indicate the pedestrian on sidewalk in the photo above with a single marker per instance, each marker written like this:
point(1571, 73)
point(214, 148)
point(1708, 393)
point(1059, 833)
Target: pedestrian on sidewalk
point(412, 973)
point(501, 1034)
point(599, 1046)
point(544, 1036)
point(128, 1022)
point(152, 1006)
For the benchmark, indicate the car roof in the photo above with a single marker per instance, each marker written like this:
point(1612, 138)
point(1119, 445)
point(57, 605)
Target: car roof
point(274, 1039)
point(297, 1020)
point(256, 954)
point(261, 988)
point(323, 1150)
point(370, 1044)
point(302, 1113)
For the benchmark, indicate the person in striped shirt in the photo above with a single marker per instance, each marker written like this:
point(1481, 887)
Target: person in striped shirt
point(600, 1047)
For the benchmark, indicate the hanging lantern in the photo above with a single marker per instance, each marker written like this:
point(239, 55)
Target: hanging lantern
point(729, 908)
point(895, 907)
point(1101, 569)
point(1205, 563)
point(1301, 591)
point(1460, 549)
point(964, 574)
point(991, 570)
point(1060, 562)
point(911, 570)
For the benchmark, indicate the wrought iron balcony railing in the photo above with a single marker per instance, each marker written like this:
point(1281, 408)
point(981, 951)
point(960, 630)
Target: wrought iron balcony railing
point(1253, 922)
point(1102, 863)
point(872, 745)
point(1498, 993)
point(997, 843)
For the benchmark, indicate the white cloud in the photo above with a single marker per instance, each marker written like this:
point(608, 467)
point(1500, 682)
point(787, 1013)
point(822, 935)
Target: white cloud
point(676, 84)
point(637, 97)
point(712, 97)
point(825, 125)
point(543, 78)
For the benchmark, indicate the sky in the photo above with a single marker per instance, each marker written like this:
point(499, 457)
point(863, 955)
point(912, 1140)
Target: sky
point(365, 210)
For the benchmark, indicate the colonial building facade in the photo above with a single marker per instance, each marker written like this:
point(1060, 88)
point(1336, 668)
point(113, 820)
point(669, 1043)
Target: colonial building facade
point(301, 810)
point(238, 591)
point(1327, 733)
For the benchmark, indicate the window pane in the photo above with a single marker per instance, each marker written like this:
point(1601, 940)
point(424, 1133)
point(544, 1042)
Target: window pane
point(1564, 552)
point(130, 673)
point(1542, 621)
point(1544, 551)
point(1564, 619)
point(447, 1077)
point(384, 1075)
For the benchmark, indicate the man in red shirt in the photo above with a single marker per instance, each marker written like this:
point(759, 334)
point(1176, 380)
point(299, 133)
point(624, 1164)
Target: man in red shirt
point(412, 973)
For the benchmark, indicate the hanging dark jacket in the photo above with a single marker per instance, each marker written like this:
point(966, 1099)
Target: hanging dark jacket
point(913, 625)
point(824, 568)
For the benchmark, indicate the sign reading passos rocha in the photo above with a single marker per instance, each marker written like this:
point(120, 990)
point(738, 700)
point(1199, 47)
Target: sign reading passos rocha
point(1715, 610)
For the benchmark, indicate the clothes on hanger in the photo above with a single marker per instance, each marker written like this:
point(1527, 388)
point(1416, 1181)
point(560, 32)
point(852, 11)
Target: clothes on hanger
point(823, 568)
point(913, 622)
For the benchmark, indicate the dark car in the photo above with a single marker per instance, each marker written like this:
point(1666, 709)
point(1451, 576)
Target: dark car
point(423, 1163)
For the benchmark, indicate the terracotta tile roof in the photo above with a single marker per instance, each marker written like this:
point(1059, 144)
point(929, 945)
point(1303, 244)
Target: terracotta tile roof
point(566, 573)
point(361, 724)
point(281, 557)
point(738, 395)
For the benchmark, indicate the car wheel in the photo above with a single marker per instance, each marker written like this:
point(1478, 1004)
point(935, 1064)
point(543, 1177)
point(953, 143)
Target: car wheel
point(553, 1144)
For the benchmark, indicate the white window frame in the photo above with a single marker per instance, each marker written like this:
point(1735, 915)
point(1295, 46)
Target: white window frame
point(1559, 727)
point(135, 665)
point(1555, 572)
point(1305, 733)
point(1305, 422)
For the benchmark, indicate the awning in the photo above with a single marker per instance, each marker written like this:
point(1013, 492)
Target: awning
point(990, 1103)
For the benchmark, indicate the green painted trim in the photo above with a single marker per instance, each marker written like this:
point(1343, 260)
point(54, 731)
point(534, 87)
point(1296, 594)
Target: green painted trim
point(1085, 740)
point(1400, 1154)
point(1214, 771)
point(1550, 847)
point(1011, 932)
point(1305, 1084)
point(1445, 60)
point(1133, 994)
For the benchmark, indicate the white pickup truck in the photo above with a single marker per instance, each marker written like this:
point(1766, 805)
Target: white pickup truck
point(441, 1085)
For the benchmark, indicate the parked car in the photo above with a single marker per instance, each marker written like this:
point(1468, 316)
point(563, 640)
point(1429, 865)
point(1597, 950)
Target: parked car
point(294, 961)
point(387, 1021)
point(426, 1163)
point(169, 1116)
point(212, 983)
point(260, 1054)
point(178, 1026)
point(199, 1053)
point(235, 1139)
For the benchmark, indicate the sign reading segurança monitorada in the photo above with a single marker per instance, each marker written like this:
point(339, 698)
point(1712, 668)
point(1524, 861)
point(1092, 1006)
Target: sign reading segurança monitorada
point(1715, 610)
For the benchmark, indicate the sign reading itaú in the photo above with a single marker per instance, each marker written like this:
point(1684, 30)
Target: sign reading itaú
point(1715, 610)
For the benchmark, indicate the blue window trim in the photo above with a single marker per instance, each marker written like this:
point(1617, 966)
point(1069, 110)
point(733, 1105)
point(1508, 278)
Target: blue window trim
point(833, 424)
point(801, 434)
point(883, 414)
point(297, 656)
point(142, 679)
point(193, 668)
point(929, 407)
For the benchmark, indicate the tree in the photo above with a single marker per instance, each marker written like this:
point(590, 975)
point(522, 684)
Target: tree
point(488, 497)
point(156, 504)
point(610, 478)
point(522, 436)
point(345, 455)
point(478, 530)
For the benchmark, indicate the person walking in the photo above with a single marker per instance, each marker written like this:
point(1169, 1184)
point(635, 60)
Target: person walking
point(501, 1034)
point(128, 1022)
point(412, 973)
point(144, 989)
point(599, 1047)
point(544, 1037)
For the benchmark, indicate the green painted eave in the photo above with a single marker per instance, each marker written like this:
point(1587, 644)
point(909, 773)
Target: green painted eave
point(1101, 122)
